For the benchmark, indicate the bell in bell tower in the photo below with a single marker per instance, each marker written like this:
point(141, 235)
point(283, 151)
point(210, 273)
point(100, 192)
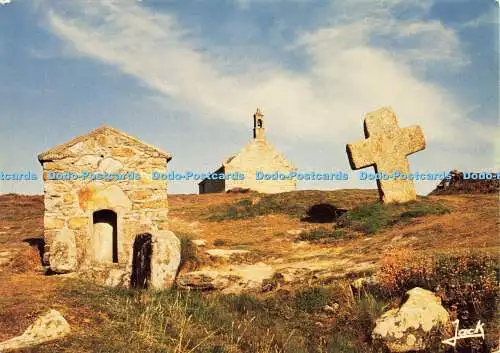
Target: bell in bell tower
point(258, 125)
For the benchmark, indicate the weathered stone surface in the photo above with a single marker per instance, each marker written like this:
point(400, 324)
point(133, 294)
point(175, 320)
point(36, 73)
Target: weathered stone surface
point(249, 277)
point(165, 260)
point(117, 278)
point(46, 328)
point(109, 165)
point(294, 231)
point(95, 197)
point(53, 223)
point(88, 161)
point(225, 253)
point(142, 194)
point(5, 257)
point(202, 280)
point(386, 147)
point(63, 252)
point(199, 242)
point(68, 198)
point(103, 242)
point(410, 327)
point(123, 152)
point(78, 222)
point(105, 214)
point(230, 280)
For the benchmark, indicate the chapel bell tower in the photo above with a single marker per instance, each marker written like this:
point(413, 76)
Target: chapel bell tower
point(258, 125)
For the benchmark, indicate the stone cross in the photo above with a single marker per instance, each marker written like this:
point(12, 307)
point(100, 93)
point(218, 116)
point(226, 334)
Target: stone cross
point(386, 147)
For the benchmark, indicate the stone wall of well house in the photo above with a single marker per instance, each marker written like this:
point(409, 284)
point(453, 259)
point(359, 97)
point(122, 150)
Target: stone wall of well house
point(78, 211)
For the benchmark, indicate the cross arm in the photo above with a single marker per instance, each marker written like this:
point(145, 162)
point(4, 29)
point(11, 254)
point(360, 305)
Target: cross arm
point(414, 136)
point(361, 154)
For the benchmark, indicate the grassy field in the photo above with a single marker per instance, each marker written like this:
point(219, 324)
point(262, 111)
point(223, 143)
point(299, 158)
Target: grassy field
point(448, 244)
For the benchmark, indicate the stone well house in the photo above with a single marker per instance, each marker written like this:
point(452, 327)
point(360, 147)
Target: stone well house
point(258, 155)
point(105, 217)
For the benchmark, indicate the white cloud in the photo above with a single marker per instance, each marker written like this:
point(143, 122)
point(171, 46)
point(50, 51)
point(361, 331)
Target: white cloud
point(5, 2)
point(487, 18)
point(347, 74)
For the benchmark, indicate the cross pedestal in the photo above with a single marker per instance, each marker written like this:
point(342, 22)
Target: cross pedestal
point(386, 147)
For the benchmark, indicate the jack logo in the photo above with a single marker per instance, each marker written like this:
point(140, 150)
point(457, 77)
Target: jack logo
point(478, 331)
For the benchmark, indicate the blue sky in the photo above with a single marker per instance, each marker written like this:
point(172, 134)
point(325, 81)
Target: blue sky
point(187, 76)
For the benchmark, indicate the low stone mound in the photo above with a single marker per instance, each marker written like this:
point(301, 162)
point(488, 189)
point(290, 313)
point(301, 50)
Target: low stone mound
point(48, 327)
point(472, 183)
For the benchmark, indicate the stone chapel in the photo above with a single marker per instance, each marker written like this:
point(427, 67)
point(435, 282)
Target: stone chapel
point(258, 155)
point(105, 217)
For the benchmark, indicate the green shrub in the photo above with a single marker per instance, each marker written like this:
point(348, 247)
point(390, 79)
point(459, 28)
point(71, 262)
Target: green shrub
point(294, 204)
point(416, 209)
point(312, 299)
point(369, 308)
point(371, 218)
point(368, 218)
point(245, 202)
point(242, 303)
point(189, 251)
point(339, 343)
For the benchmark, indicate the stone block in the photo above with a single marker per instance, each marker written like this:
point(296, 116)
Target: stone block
point(92, 197)
point(53, 167)
point(78, 222)
point(141, 195)
point(68, 198)
point(165, 260)
point(110, 165)
point(63, 252)
point(53, 223)
point(123, 152)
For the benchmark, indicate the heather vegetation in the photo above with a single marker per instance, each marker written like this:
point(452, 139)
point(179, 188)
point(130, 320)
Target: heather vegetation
point(443, 244)
point(317, 318)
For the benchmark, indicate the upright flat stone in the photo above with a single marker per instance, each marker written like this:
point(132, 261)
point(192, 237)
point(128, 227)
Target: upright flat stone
point(386, 148)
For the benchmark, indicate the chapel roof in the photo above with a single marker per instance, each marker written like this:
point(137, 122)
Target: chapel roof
point(62, 150)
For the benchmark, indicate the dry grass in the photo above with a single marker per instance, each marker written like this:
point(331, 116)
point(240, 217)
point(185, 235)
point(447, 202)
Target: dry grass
point(21, 217)
point(27, 259)
point(285, 319)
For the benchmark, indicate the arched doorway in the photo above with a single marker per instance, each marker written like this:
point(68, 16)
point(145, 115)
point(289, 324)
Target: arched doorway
point(105, 236)
point(141, 261)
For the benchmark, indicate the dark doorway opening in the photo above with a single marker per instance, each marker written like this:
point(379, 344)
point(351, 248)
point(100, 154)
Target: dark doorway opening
point(141, 262)
point(38, 244)
point(106, 233)
point(323, 213)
